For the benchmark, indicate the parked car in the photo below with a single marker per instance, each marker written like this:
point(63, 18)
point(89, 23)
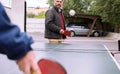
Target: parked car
point(81, 29)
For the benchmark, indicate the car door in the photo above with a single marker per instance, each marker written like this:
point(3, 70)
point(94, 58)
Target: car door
point(82, 30)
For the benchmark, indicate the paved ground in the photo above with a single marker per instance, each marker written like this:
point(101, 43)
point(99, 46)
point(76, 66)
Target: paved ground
point(110, 43)
point(35, 28)
point(9, 67)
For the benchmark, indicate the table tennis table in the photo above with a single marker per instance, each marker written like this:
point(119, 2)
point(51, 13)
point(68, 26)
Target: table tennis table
point(75, 58)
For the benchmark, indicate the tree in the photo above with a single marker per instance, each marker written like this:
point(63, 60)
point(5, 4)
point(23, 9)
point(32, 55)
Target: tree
point(108, 9)
point(80, 6)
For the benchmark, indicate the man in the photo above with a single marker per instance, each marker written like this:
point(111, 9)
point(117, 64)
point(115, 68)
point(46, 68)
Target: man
point(54, 23)
point(16, 45)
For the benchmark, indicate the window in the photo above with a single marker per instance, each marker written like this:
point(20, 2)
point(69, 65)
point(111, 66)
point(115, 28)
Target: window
point(6, 3)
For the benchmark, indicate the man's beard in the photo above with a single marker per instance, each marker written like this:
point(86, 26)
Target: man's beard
point(59, 6)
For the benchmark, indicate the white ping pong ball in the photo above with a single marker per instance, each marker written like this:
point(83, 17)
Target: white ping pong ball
point(72, 12)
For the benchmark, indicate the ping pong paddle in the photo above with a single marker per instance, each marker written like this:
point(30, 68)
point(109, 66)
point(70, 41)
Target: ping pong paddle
point(67, 33)
point(48, 66)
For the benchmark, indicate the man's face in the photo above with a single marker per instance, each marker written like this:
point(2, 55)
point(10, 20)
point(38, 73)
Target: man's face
point(58, 3)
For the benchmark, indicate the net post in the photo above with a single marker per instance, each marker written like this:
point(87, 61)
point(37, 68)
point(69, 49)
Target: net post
point(118, 45)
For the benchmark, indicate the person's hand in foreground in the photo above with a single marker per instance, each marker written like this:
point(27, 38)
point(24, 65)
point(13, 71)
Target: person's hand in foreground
point(27, 64)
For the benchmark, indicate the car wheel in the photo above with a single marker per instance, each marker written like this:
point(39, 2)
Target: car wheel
point(96, 34)
point(72, 34)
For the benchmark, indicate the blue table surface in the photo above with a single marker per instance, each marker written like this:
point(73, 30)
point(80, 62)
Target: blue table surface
point(75, 58)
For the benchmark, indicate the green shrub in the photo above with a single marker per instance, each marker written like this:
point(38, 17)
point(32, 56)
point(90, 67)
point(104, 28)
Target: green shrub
point(40, 15)
point(30, 15)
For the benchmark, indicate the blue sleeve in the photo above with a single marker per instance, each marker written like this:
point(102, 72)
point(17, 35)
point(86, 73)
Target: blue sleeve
point(13, 43)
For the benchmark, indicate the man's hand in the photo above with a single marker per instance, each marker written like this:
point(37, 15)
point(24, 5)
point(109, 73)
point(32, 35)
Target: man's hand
point(65, 32)
point(27, 64)
point(61, 31)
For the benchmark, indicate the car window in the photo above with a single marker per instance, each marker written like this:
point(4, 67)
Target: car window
point(78, 24)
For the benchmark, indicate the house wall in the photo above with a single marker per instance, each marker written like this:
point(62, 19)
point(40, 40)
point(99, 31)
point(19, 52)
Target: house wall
point(16, 13)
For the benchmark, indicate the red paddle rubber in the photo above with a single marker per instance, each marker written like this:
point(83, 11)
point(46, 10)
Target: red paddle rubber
point(50, 67)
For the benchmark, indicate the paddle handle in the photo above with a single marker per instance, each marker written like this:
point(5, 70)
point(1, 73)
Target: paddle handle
point(33, 72)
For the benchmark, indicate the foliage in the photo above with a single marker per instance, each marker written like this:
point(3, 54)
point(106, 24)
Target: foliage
point(109, 10)
point(30, 15)
point(50, 2)
point(40, 15)
point(73, 4)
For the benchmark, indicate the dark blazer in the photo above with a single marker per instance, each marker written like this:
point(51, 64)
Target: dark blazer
point(52, 24)
point(13, 43)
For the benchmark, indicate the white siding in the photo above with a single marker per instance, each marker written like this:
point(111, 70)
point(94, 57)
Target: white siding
point(16, 13)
